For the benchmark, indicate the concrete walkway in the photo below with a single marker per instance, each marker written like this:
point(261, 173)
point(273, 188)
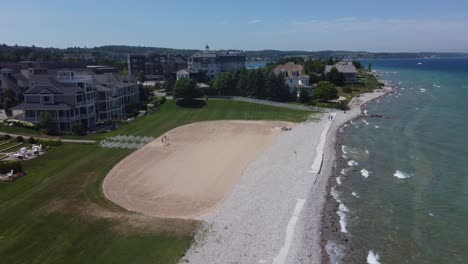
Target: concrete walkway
point(266, 102)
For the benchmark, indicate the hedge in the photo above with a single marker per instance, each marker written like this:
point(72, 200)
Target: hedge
point(49, 142)
point(7, 166)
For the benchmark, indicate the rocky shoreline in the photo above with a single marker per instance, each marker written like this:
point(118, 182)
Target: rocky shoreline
point(330, 226)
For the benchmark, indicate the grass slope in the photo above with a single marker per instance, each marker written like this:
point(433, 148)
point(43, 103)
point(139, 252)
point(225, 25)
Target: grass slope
point(58, 214)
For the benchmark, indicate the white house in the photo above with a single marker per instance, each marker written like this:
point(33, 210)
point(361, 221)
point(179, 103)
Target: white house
point(294, 77)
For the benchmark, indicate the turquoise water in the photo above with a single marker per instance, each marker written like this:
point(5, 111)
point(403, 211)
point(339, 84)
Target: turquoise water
point(413, 206)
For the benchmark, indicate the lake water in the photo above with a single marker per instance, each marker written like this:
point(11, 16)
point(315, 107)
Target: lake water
point(406, 193)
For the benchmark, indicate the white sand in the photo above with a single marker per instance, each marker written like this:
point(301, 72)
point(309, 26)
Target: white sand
point(194, 173)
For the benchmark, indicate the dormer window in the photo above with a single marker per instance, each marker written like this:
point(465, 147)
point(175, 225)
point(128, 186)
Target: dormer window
point(47, 99)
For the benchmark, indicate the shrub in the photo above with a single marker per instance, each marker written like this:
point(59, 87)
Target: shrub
point(19, 139)
point(32, 140)
point(7, 166)
point(325, 91)
point(19, 123)
point(49, 142)
point(347, 89)
point(101, 131)
point(78, 129)
point(163, 100)
point(6, 137)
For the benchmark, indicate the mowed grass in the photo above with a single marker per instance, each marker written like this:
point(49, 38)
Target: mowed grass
point(171, 116)
point(58, 214)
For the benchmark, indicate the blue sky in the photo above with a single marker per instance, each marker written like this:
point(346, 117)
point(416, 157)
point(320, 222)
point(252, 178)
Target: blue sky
point(387, 26)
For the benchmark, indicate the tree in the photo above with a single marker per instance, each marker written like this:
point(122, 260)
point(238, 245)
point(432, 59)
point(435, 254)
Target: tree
point(141, 77)
point(304, 96)
point(276, 88)
point(369, 67)
point(9, 100)
point(185, 89)
point(77, 129)
point(336, 77)
point(325, 91)
point(44, 123)
point(224, 84)
point(357, 64)
point(169, 85)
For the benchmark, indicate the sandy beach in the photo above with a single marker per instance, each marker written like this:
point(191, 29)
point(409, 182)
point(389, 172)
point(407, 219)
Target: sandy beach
point(193, 173)
point(274, 213)
point(260, 193)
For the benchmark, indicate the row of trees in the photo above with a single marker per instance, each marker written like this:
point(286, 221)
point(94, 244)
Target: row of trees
point(258, 83)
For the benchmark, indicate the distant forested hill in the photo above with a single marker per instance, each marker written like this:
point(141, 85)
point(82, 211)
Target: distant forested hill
point(120, 52)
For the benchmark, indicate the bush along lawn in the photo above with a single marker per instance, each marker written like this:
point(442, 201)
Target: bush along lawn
point(58, 214)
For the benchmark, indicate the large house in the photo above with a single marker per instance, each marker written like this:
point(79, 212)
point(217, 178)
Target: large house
point(347, 68)
point(215, 62)
point(84, 96)
point(294, 77)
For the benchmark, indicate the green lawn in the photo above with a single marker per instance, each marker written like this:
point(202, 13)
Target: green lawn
point(57, 213)
point(171, 116)
point(19, 130)
point(368, 84)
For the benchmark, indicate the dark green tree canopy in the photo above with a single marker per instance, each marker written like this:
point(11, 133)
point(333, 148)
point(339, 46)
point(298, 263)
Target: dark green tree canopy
point(325, 91)
point(9, 100)
point(224, 84)
point(185, 89)
point(336, 77)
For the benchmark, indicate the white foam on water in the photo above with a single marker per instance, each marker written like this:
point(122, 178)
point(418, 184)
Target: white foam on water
point(342, 216)
point(355, 194)
point(431, 214)
point(365, 112)
point(345, 156)
point(338, 180)
point(417, 108)
point(401, 175)
point(422, 90)
point(365, 173)
point(367, 151)
point(335, 251)
point(352, 163)
point(365, 122)
point(344, 172)
point(376, 126)
point(341, 210)
point(344, 149)
point(438, 86)
point(373, 258)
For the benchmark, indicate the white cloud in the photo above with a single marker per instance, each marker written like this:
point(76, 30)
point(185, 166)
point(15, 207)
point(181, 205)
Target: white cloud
point(254, 21)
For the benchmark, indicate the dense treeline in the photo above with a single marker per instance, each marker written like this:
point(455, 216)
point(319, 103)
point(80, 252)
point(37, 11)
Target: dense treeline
point(260, 84)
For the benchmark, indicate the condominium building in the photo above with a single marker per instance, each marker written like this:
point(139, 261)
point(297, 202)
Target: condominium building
point(76, 96)
point(215, 62)
point(155, 64)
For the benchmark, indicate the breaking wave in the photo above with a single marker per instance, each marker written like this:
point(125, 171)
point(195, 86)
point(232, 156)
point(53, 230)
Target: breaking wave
point(401, 175)
point(373, 258)
point(365, 173)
